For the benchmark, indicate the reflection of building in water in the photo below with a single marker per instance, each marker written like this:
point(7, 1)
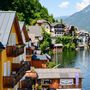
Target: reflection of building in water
point(58, 53)
point(84, 58)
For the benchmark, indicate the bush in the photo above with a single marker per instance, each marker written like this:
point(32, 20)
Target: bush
point(67, 41)
point(51, 64)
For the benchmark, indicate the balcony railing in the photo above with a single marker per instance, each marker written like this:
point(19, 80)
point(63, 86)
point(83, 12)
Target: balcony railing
point(14, 51)
point(13, 79)
point(16, 66)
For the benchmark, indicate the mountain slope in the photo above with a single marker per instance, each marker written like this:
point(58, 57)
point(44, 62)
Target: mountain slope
point(80, 19)
point(61, 17)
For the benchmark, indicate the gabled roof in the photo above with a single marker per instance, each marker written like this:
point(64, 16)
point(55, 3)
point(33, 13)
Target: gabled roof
point(58, 73)
point(36, 30)
point(6, 21)
point(21, 24)
point(41, 21)
point(23, 28)
point(58, 25)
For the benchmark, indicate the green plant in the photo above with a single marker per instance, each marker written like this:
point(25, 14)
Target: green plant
point(51, 64)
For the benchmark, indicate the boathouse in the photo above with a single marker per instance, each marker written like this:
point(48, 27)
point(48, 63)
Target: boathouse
point(65, 78)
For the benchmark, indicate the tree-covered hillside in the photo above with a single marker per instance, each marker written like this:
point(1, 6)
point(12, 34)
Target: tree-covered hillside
point(28, 10)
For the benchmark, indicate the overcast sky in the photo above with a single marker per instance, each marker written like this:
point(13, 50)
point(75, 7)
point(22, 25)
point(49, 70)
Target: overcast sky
point(64, 7)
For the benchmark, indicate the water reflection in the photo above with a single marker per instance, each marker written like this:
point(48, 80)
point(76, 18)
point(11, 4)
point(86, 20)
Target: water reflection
point(78, 59)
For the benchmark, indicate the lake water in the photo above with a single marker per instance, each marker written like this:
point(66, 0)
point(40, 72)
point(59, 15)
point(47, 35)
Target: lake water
point(78, 59)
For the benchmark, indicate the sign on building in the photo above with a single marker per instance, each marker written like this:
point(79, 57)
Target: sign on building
point(66, 82)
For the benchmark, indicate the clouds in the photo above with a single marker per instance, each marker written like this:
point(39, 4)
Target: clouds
point(64, 4)
point(81, 5)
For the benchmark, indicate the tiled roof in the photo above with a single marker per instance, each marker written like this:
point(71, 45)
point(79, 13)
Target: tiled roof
point(36, 30)
point(58, 73)
point(6, 21)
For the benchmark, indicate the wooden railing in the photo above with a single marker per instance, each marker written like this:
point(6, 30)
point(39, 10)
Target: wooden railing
point(13, 79)
point(14, 51)
point(16, 66)
point(70, 86)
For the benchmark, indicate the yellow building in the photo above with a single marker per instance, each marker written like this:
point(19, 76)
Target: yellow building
point(12, 64)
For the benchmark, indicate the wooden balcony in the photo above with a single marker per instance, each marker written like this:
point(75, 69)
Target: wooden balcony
point(8, 81)
point(13, 79)
point(16, 66)
point(14, 51)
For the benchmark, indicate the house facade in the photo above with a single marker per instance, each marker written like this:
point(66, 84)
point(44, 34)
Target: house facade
point(39, 61)
point(12, 64)
point(60, 79)
point(58, 29)
point(27, 41)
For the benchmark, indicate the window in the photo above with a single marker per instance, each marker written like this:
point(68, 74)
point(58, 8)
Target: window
point(5, 69)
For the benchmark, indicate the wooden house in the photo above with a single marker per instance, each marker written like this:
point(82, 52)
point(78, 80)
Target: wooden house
point(35, 33)
point(12, 64)
point(44, 24)
point(27, 41)
point(39, 61)
point(58, 48)
point(60, 79)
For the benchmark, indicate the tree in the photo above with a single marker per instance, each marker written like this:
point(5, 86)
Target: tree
point(67, 41)
point(28, 10)
point(46, 43)
point(44, 46)
point(73, 31)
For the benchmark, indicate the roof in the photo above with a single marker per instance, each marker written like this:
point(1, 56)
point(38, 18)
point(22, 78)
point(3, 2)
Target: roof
point(36, 30)
point(58, 73)
point(58, 25)
point(39, 57)
point(21, 24)
point(31, 74)
point(6, 20)
point(32, 36)
point(41, 21)
point(58, 45)
point(23, 28)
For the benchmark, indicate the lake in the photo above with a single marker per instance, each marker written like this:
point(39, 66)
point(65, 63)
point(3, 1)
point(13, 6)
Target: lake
point(76, 59)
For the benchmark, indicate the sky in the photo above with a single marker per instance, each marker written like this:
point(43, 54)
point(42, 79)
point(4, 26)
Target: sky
point(64, 7)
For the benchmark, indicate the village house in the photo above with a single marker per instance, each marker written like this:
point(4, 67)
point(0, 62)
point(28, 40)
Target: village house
point(60, 79)
point(39, 61)
point(44, 24)
point(58, 48)
point(27, 41)
point(58, 29)
point(12, 63)
point(35, 33)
